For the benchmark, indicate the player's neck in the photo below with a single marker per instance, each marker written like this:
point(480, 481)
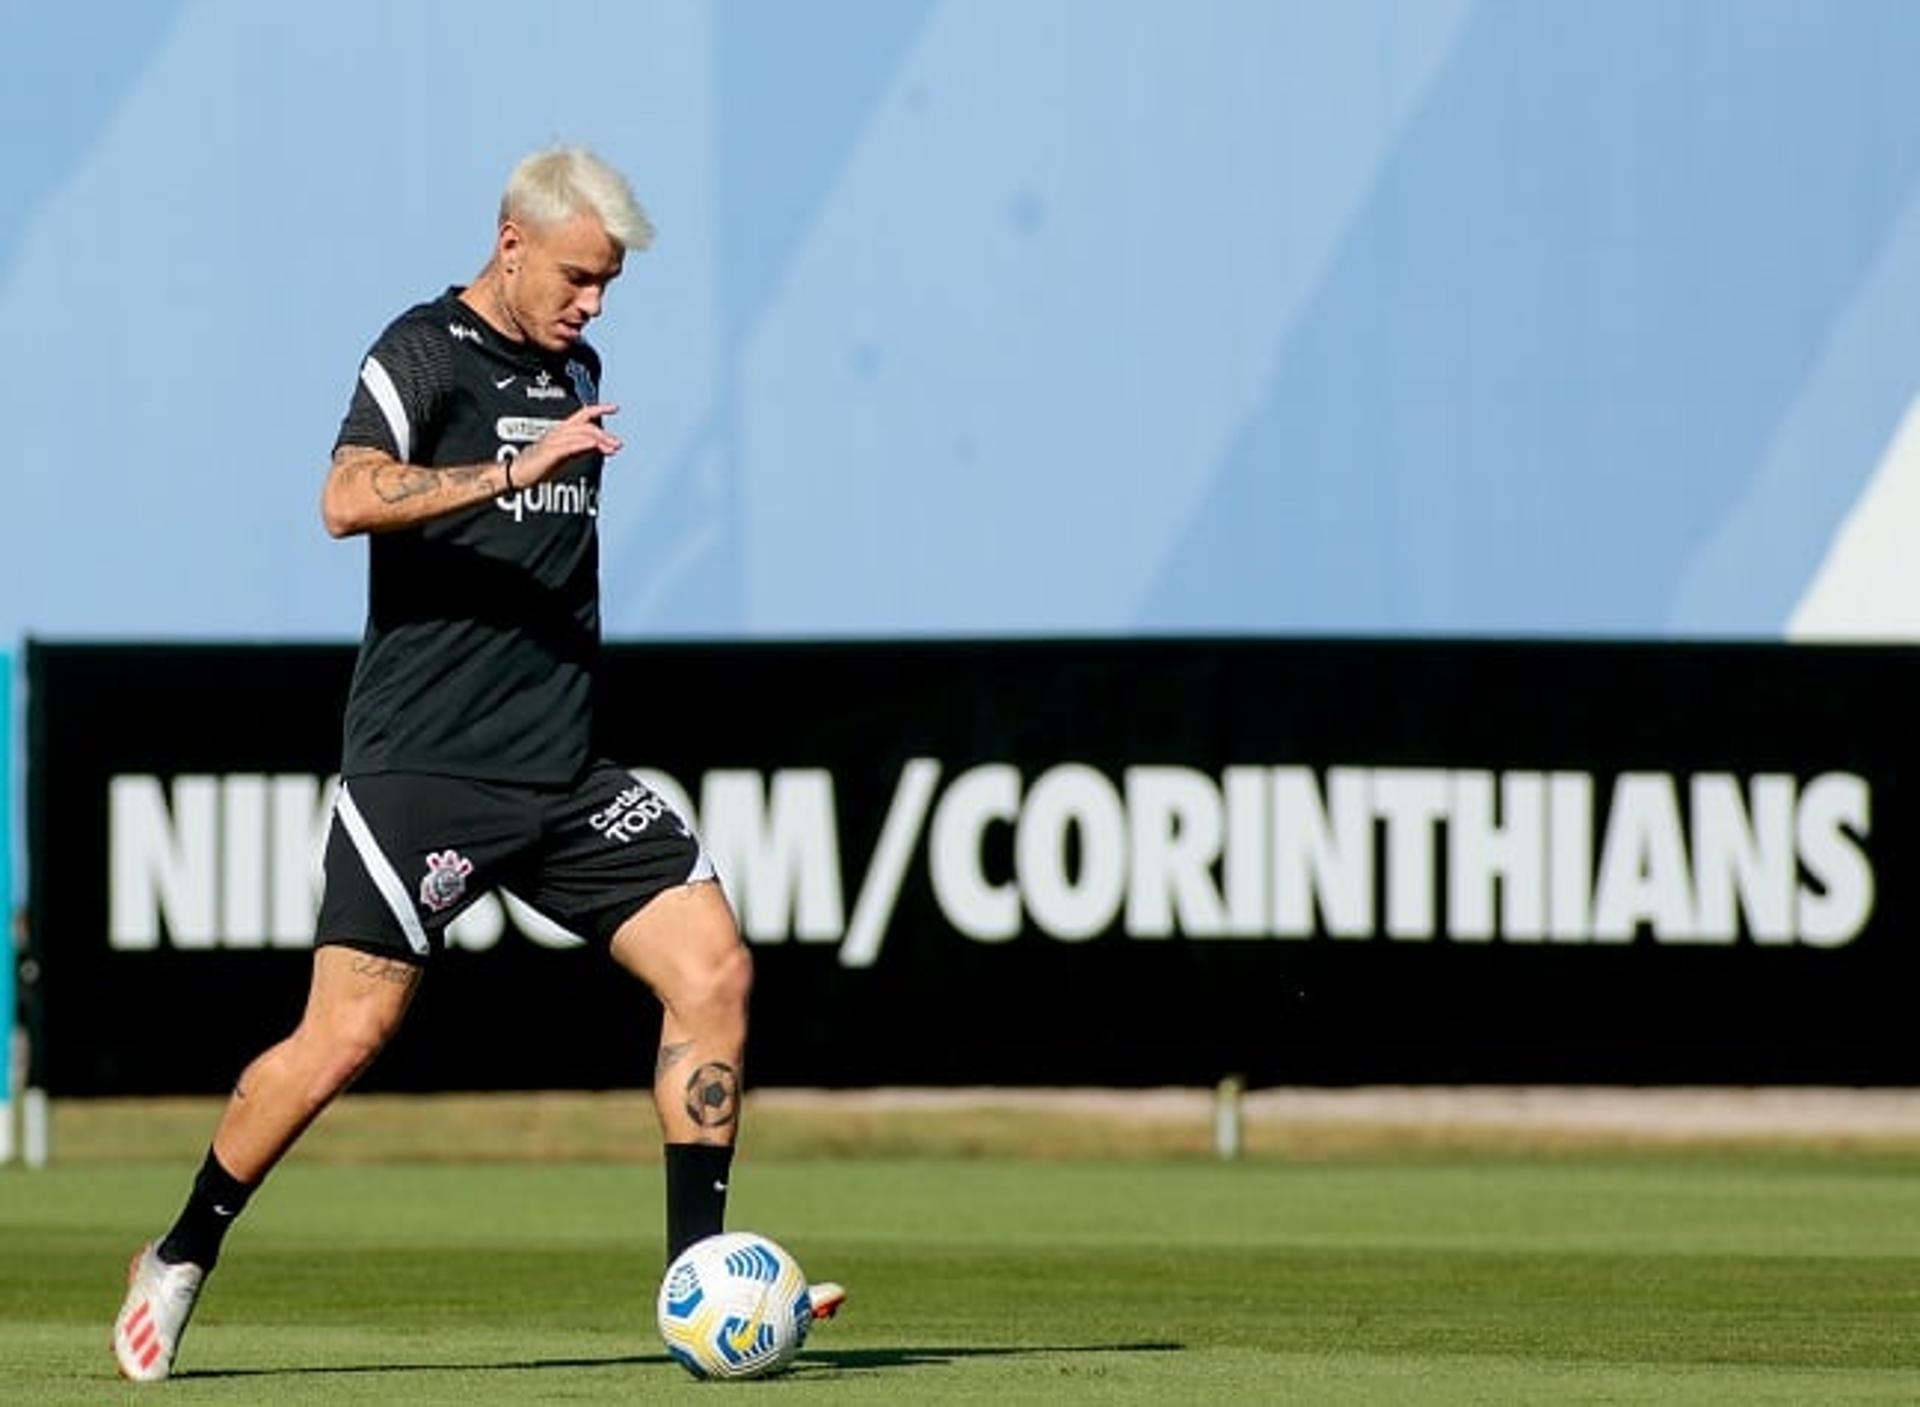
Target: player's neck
point(488, 297)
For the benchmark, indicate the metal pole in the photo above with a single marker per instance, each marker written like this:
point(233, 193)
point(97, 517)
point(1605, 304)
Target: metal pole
point(1227, 1117)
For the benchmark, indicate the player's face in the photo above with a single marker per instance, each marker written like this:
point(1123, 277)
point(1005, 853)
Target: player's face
point(556, 277)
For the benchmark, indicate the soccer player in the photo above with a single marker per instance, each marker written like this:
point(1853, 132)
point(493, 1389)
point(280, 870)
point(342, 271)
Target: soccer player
point(471, 458)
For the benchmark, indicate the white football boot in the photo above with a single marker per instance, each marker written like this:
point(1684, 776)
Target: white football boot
point(160, 1300)
point(827, 1297)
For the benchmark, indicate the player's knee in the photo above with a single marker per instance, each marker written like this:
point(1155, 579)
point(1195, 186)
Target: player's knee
point(733, 982)
point(349, 1041)
point(719, 985)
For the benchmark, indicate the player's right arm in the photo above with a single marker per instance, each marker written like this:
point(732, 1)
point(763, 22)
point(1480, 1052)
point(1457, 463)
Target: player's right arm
point(371, 490)
point(376, 482)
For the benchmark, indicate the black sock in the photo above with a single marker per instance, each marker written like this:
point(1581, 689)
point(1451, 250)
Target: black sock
point(217, 1198)
point(696, 1193)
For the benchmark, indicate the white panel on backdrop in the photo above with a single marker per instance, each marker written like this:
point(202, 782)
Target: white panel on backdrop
point(1868, 588)
point(1860, 583)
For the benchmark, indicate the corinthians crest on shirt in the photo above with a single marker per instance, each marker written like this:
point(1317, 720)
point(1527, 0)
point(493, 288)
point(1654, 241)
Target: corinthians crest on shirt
point(445, 880)
point(582, 379)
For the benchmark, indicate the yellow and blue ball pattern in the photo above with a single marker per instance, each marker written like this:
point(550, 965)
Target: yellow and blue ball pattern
point(734, 1306)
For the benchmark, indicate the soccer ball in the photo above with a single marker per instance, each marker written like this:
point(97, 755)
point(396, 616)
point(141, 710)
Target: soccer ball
point(734, 1306)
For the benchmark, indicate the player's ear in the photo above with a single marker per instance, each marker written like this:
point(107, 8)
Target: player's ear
point(508, 246)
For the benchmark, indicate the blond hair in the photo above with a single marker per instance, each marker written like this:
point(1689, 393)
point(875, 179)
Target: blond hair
point(554, 185)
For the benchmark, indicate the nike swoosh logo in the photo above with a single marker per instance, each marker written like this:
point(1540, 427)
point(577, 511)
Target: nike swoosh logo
point(719, 1187)
point(503, 383)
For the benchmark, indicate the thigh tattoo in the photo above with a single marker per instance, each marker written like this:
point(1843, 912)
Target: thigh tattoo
point(401, 974)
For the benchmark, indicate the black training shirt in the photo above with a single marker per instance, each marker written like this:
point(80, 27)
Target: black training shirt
point(483, 626)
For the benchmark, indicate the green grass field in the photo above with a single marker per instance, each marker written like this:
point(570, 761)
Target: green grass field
point(1594, 1277)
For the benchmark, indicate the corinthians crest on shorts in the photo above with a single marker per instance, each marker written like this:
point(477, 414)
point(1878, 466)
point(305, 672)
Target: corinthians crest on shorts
point(445, 880)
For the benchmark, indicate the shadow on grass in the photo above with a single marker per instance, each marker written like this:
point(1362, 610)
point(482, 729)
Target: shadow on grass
point(810, 1363)
point(855, 1360)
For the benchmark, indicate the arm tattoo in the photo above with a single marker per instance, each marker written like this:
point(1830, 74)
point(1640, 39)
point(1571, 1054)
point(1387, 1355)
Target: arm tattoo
point(713, 1095)
point(401, 974)
point(394, 482)
point(671, 1053)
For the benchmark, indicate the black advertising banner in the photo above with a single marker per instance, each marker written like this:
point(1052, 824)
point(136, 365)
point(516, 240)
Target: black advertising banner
point(1058, 862)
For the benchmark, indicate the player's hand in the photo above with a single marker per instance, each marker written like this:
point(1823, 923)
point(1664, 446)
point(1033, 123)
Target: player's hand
point(579, 433)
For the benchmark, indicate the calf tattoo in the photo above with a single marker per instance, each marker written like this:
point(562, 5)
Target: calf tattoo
point(713, 1095)
point(670, 1054)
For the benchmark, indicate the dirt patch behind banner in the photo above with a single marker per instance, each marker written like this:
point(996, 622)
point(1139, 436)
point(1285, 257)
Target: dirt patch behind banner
point(1064, 1123)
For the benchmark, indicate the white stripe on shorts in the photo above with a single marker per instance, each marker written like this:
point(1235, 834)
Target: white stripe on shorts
point(380, 871)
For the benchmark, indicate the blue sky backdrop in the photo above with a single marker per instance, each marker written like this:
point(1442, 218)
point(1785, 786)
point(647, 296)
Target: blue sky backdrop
point(987, 316)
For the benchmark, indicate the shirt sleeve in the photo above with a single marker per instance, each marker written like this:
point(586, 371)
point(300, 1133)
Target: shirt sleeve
point(403, 383)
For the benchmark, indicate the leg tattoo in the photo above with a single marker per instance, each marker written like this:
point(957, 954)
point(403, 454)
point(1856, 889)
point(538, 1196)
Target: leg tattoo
point(671, 1053)
point(713, 1095)
point(384, 969)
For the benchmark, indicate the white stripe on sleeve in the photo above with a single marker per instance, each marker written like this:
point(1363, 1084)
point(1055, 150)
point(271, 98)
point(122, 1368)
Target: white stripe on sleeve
point(387, 396)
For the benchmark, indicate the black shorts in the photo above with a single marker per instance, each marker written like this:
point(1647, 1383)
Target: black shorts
point(407, 852)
